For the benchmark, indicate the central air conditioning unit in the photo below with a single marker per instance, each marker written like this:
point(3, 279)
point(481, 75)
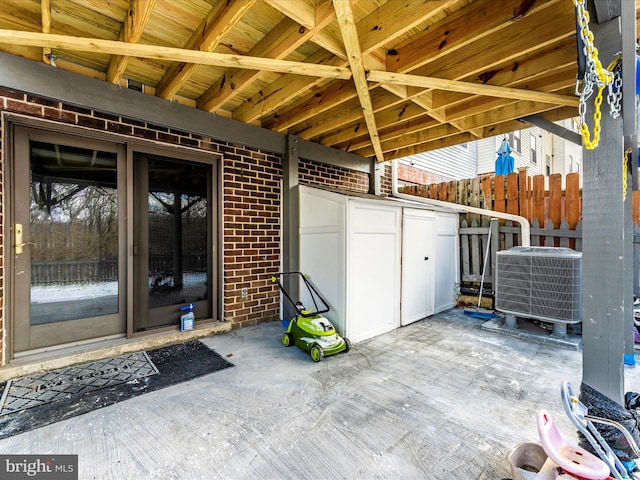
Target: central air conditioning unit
point(544, 283)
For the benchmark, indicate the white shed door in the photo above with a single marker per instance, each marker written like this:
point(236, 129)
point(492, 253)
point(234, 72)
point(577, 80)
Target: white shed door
point(373, 275)
point(417, 265)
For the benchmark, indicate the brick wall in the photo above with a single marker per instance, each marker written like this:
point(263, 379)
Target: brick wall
point(251, 208)
point(419, 176)
point(323, 175)
point(251, 231)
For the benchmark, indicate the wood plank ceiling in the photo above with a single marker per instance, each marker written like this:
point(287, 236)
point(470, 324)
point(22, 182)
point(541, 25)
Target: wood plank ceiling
point(378, 78)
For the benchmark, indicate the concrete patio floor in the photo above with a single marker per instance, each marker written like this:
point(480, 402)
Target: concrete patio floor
point(438, 399)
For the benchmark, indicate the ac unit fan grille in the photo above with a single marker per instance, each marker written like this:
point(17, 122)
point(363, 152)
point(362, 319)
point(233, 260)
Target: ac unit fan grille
point(544, 283)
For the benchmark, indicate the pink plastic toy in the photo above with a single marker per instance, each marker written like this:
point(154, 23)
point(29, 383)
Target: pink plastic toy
point(568, 456)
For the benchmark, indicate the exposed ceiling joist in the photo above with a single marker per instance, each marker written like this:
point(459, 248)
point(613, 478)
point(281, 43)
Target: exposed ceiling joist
point(132, 28)
point(45, 8)
point(352, 45)
point(212, 30)
point(420, 68)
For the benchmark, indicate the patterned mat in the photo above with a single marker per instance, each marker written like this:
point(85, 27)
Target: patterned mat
point(39, 389)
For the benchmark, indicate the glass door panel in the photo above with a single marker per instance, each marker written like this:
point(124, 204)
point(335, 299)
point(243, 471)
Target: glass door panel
point(74, 230)
point(67, 262)
point(173, 240)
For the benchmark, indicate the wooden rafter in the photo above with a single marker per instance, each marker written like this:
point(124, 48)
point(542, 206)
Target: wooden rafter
point(283, 90)
point(220, 20)
point(45, 8)
point(465, 27)
point(110, 47)
point(474, 89)
point(132, 28)
point(277, 44)
point(395, 18)
point(424, 67)
point(352, 45)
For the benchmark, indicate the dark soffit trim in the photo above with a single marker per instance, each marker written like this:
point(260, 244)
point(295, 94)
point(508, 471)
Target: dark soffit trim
point(45, 81)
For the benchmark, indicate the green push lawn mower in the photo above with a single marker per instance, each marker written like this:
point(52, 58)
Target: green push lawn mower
point(308, 329)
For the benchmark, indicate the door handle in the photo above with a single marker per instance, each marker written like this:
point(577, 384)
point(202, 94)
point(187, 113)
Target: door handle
point(426, 258)
point(18, 236)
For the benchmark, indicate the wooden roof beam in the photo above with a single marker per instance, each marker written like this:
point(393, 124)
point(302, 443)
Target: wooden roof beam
point(277, 44)
point(471, 88)
point(132, 28)
point(376, 29)
point(517, 73)
point(517, 124)
point(561, 80)
point(45, 8)
point(349, 112)
point(443, 142)
point(352, 46)
point(332, 97)
point(534, 33)
point(110, 47)
point(462, 28)
point(387, 120)
point(284, 90)
point(395, 18)
point(218, 23)
point(467, 66)
point(417, 138)
point(386, 133)
point(299, 11)
point(475, 125)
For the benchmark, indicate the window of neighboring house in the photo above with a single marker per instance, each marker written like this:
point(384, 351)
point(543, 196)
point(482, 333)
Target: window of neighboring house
point(548, 170)
point(534, 152)
point(464, 145)
point(570, 163)
point(577, 166)
point(514, 140)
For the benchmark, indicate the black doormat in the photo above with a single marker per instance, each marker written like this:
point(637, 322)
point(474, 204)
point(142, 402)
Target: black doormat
point(41, 399)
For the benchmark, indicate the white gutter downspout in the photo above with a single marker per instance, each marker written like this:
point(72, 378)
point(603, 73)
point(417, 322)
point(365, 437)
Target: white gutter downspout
point(525, 229)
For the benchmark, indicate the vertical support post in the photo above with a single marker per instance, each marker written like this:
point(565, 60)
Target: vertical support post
point(630, 132)
point(291, 214)
point(604, 242)
point(376, 172)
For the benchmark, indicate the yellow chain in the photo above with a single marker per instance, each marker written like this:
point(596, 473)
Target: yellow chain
point(604, 76)
point(625, 162)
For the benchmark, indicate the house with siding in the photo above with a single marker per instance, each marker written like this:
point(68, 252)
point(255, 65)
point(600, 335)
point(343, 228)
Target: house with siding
point(533, 148)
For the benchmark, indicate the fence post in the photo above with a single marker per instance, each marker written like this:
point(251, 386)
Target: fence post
point(464, 243)
point(495, 246)
point(475, 249)
point(578, 231)
point(549, 240)
point(508, 236)
point(564, 227)
point(535, 238)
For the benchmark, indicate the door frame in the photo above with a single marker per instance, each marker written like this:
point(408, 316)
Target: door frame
point(135, 208)
point(107, 325)
point(131, 144)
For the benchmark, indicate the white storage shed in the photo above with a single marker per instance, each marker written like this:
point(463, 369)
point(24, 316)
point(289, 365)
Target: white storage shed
point(380, 263)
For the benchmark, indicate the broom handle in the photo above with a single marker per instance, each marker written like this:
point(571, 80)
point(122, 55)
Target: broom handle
point(484, 266)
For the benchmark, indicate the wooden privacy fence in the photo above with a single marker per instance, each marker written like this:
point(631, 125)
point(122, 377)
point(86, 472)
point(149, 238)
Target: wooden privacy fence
point(518, 194)
point(554, 214)
point(474, 240)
